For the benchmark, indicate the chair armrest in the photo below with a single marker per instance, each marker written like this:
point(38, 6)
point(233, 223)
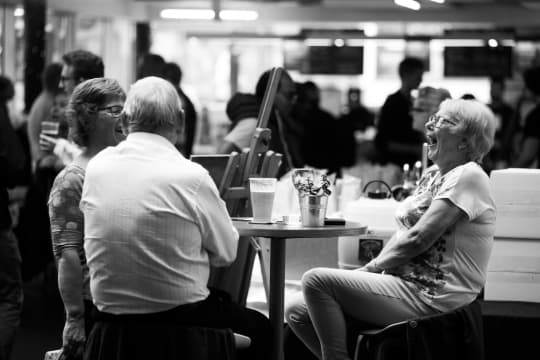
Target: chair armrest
point(241, 341)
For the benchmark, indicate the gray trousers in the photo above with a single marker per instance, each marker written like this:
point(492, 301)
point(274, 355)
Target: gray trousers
point(318, 316)
point(11, 294)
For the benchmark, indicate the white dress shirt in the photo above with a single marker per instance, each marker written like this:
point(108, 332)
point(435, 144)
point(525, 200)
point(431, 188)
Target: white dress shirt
point(154, 222)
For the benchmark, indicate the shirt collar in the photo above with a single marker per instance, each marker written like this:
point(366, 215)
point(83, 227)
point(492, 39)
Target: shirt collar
point(141, 136)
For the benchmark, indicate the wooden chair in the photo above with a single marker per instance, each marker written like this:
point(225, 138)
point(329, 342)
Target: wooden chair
point(233, 185)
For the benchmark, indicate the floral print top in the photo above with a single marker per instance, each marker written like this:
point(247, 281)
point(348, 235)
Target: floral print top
point(67, 225)
point(453, 270)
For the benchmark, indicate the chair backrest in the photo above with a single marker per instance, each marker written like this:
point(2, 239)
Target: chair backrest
point(457, 334)
point(257, 161)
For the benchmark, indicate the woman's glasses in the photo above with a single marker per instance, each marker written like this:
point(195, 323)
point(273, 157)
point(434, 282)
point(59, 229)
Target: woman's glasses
point(114, 110)
point(438, 121)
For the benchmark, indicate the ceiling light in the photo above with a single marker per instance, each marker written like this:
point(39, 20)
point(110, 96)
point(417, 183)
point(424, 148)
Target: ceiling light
point(339, 42)
point(438, 1)
point(409, 4)
point(191, 14)
point(241, 15)
point(18, 12)
point(318, 42)
point(371, 29)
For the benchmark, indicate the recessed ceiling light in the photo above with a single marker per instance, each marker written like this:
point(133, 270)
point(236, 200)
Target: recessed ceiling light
point(189, 14)
point(241, 15)
point(409, 4)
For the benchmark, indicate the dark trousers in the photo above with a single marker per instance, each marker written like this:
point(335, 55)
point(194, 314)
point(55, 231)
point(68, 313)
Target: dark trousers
point(216, 311)
point(11, 294)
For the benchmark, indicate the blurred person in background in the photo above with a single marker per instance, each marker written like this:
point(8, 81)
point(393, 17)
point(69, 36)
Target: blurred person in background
point(356, 120)
point(41, 108)
point(93, 112)
point(151, 65)
point(425, 104)
point(173, 73)
point(320, 144)
point(287, 132)
point(506, 123)
point(12, 160)
point(77, 66)
point(529, 154)
point(436, 262)
point(396, 141)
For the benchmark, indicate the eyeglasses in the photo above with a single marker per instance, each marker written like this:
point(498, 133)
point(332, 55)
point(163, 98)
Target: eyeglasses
point(63, 79)
point(114, 110)
point(438, 121)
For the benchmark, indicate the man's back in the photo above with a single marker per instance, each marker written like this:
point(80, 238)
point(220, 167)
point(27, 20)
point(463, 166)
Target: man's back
point(153, 223)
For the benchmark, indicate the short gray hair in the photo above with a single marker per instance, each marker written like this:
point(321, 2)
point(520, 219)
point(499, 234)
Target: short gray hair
point(152, 105)
point(476, 125)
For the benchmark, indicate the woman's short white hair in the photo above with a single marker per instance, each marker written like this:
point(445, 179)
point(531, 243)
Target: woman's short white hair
point(153, 105)
point(476, 125)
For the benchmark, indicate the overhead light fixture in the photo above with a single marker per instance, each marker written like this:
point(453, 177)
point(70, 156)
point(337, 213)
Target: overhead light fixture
point(339, 42)
point(188, 14)
point(493, 43)
point(409, 4)
point(371, 29)
point(318, 42)
point(207, 14)
point(240, 15)
point(438, 1)
point(18, 12)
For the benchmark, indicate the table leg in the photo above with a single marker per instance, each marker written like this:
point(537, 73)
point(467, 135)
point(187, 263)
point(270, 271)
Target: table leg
point(277, 292)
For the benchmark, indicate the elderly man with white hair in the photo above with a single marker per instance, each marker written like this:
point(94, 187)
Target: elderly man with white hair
point(154, 223)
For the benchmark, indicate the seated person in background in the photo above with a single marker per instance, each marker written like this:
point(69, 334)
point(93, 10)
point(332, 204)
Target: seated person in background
point(434, 263)
point(286, 131)
point(93, 121)
point(154, 223)
point(396, 141)
point(529, 153)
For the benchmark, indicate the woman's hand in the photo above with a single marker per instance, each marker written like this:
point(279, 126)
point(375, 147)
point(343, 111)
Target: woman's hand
point(47, 143)
point(73, 338)
point(371, 267)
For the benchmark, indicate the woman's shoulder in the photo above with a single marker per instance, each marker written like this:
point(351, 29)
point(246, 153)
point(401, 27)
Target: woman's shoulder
point(70, 176)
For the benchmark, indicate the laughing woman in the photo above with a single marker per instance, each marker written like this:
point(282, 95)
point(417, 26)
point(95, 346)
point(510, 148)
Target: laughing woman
point(434, 263)
point(93, 111)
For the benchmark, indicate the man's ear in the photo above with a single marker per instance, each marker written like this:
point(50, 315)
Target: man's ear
point(124, 122)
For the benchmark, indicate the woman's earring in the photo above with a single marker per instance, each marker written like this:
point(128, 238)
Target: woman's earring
point(462, 147)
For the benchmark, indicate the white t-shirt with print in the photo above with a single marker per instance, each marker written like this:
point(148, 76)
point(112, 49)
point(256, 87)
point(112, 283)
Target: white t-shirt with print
point(452, 271)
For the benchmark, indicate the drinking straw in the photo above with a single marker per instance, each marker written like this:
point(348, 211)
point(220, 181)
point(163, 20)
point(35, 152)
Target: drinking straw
point(424, 157)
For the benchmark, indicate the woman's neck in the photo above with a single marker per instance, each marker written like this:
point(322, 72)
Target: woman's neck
point(445, 168)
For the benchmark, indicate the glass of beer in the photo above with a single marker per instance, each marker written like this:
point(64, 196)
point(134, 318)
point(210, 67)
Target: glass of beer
point(262, 191)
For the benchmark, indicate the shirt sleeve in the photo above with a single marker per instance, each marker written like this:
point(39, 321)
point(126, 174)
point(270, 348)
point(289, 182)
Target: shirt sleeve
point(219, 237)
point(242, 133)
point(65, 216)
point(468, 189)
